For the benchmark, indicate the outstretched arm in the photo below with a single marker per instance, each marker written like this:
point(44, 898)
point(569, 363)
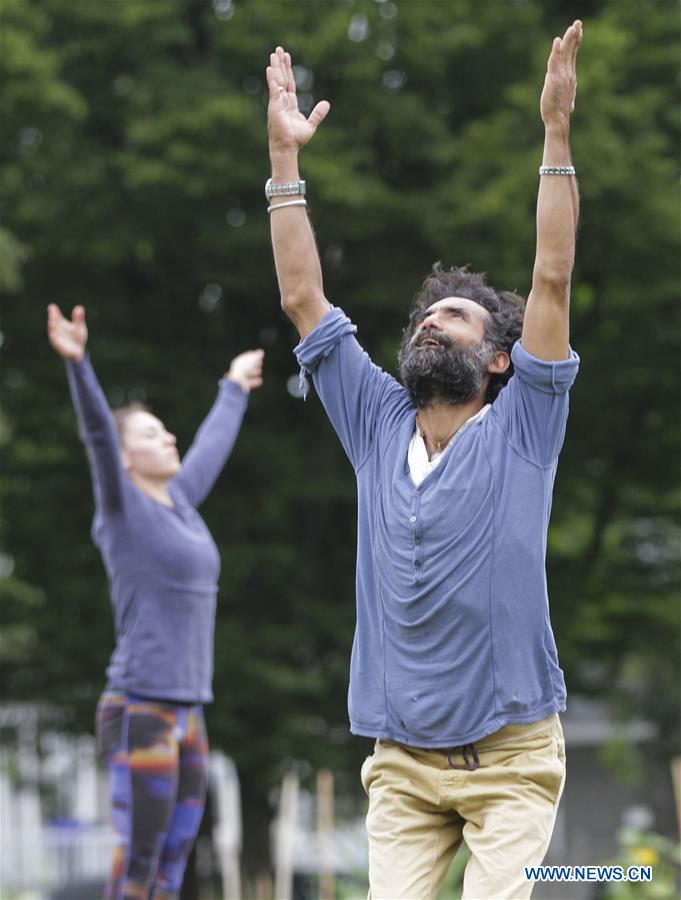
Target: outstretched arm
point(215, 438)
point(295, 250)
point(97, 427)
point(546, 325)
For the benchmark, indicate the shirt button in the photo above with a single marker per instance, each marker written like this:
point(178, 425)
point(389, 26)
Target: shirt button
point(412, 518)
point(417, 539)
point(417, 563)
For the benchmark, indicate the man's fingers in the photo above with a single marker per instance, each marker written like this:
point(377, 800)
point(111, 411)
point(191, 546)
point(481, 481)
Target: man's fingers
point(281, 66)
point(290, 79)
point(279, 78)
point(571, 40)
point(565, 49)
point(78, 315)
point(273, 83)
point(572, 43)
point(577, 42)
point(319, 113)
point(554, 55)
point(277, 69)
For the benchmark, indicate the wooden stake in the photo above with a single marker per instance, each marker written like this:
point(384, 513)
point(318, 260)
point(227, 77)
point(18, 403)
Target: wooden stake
point(286, 836)
point(325, 823)
point(676, 781)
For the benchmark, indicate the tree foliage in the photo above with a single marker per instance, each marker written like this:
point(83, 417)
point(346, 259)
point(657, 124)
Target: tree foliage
point(133, 161)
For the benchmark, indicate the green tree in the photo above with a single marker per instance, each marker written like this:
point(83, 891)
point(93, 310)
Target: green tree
point(133, 161)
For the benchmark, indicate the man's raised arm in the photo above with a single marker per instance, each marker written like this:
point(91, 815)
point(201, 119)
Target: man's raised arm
point(546, 325)
point(295, 250)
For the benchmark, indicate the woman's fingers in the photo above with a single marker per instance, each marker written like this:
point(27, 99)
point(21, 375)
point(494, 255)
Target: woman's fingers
point(55, 322)
point(256, 362)
point(249, 364)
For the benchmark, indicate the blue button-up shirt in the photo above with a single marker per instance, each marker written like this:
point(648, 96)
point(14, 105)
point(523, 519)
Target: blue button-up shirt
point(453, 637)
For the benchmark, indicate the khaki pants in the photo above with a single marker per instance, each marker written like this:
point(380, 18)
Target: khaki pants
point(421, 807)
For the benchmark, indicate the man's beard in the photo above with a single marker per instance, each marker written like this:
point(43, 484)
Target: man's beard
point(445, 372)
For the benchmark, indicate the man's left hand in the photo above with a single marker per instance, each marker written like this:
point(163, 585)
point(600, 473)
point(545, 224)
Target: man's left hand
point(560, 86)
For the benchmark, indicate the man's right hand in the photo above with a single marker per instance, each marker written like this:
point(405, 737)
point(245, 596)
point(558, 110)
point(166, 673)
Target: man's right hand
point(67, 337)
point(287, 127)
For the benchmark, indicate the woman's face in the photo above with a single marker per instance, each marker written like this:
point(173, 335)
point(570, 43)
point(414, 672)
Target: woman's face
point(149, 450)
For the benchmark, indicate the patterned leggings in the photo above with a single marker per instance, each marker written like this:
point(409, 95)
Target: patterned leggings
point(157, 756)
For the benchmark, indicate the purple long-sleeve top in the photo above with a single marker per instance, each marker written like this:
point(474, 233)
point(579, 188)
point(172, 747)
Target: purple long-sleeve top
point(162, 563)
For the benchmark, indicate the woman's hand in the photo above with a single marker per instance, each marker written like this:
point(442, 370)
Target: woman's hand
point(246, 370)
point(67, 337)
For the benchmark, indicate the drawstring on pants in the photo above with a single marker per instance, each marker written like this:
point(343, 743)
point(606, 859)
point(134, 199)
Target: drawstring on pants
point(470, 764)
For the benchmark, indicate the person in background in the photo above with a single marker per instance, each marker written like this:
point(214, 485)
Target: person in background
point(163, 567)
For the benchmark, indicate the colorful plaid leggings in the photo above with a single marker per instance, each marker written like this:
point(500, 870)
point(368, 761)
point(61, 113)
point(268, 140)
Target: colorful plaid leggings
point(157, 756)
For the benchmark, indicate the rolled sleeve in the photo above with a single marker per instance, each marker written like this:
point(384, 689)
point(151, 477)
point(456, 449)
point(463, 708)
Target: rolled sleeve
point(554, 377)
point(357, 395)
point(532, 408)
point(321, 340)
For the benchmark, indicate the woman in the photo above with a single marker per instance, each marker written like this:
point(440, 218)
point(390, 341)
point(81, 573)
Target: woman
point(163, 567)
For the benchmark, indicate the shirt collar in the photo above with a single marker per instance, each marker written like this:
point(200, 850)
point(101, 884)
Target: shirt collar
point(480, 414)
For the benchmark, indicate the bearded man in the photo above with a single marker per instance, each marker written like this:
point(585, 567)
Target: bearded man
point(454, 666)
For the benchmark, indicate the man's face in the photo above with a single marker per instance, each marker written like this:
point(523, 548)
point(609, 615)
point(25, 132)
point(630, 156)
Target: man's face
point(445, 357)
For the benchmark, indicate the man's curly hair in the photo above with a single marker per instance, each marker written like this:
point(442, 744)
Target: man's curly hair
point(502, 328)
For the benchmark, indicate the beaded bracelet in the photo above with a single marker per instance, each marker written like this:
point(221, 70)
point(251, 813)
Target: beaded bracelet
point(557, 170)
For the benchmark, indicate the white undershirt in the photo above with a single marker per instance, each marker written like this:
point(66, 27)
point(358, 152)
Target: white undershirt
point(417, 455)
